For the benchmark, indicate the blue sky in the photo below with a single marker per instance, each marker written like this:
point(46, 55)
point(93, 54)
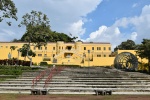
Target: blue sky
point(111, 21)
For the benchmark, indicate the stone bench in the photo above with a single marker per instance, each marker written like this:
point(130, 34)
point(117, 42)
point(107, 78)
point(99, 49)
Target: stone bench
point(103, 92)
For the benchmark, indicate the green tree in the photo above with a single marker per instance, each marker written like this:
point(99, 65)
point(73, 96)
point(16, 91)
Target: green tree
point(37, 29)
point(24, 51)
point(12, 48)
point(16, 40)
point(55, 36)
point(144, 51)
point(7, 10)
point(126, 45)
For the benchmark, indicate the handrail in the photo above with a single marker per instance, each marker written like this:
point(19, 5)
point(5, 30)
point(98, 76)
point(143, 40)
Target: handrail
point(53, 72)
point(38, 78)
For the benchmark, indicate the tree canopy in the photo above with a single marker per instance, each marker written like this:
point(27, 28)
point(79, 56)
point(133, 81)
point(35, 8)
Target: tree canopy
point(144, 50)
point(126, 45)
point(24, 50)
point(7, 10)
point(37, 28)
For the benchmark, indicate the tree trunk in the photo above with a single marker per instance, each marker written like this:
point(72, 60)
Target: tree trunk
point(28, 55)
point(149, 66)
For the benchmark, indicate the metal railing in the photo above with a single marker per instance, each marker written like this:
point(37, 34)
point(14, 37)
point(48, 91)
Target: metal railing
point(38, 78)
point(53, 72)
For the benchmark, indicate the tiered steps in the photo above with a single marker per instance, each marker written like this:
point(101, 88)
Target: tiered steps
point(82, 81)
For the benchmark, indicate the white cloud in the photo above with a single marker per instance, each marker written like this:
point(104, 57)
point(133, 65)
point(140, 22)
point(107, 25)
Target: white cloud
point(133, 36)
point(104, 34)
point(62, 14)
point(138, 25)
point(7, 32)
point(77, 29)
point(134, 5)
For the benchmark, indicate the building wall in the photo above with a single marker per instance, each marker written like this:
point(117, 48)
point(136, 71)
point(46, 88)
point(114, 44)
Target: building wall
point(78, 53)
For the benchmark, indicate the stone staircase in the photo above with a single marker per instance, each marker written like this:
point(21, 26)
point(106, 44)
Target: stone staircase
point(75, 80)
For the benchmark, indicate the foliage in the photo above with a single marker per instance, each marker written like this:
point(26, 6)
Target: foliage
point(43, 63)
point(16, 40)
point(7, 10)
point(12, 48)
point(37, 28)
point(14, 61)
point(24, 50)
point(55, 36)
point(144, 50)
point(143, 67)
point(46, 59)
point(126, 45)
point(62, 65)
point(52, 36)
point(12, 70)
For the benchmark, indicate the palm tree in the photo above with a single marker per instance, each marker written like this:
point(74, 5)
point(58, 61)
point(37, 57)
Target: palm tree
point(12, 48)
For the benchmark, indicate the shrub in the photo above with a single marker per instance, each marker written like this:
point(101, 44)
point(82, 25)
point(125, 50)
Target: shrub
point(43, 63)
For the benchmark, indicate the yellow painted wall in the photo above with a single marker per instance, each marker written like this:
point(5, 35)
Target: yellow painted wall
point(100, 61)
point(99, 54)
point(59, 50)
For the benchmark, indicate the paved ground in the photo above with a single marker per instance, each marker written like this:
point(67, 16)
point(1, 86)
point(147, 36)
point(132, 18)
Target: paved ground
point(72, 97)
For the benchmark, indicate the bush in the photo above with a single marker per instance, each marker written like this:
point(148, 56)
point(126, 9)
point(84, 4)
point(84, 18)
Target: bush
point(43, 63)
point(50, 65)
point(14, 61)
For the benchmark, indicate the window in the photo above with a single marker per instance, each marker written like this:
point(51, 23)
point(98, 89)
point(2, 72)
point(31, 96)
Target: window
point(53, 55)
point(39, 55)
point(84, 48)
point(84, 55)
point(104, 48)
point(53, 48)
point(6, 46)
point(98, 48)
point(109, 48)
point(68, 55)
point(98, 55)
point(40, 48)
point(34, 48)
point(92, 48)
point(104, 55)
point(46, 59)
point(45, 48)
point(45, 55)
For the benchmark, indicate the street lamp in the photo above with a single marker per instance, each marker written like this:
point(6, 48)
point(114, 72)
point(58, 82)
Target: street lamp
point(83, 58)
point(18, 56)
point(89, 58)
point(89, 61)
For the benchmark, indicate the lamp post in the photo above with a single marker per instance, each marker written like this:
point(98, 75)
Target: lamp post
point(89, 61)
point(18, 57)
point(88, 58)
point(83, 58)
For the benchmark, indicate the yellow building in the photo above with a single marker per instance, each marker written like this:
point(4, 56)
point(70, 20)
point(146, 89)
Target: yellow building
point(75, 53)
point(78, 53)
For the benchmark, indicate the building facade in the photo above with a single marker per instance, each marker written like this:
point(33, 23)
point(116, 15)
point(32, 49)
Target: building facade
point(77, 53)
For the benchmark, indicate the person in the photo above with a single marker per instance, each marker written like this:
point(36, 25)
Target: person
point(53, 66)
